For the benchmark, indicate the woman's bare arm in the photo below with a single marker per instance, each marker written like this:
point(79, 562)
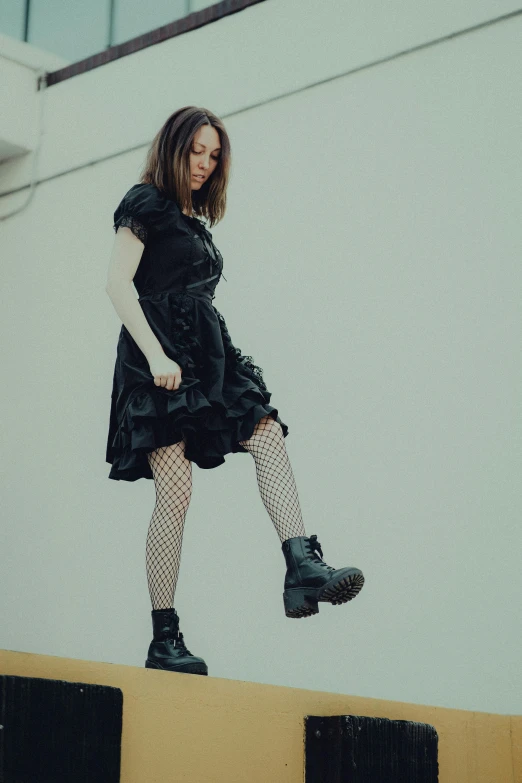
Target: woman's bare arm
point(125, 258)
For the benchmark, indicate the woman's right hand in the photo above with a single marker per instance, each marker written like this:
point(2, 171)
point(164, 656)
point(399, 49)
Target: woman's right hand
point(166, 372)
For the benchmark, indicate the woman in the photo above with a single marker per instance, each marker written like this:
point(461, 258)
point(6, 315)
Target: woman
point(182, 392)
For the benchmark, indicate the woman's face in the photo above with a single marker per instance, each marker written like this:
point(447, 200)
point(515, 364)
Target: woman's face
point(204, 155)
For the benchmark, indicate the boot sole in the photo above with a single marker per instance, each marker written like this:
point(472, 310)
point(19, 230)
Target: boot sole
point(303, 602)
point(193, 668)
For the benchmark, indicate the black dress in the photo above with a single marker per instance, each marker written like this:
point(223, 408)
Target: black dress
point(222, 394)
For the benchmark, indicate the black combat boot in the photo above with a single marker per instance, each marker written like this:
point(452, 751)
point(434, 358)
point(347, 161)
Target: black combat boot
point(309, 579)
point(167, 649)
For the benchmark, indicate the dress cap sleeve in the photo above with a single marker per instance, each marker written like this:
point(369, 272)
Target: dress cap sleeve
point(144, 210)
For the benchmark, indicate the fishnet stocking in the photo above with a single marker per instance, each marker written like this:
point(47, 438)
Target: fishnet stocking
point(275, 478)
point(172, 474)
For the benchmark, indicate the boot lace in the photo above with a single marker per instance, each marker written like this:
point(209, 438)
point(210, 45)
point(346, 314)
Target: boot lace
point(314, 547)
point(179, 642)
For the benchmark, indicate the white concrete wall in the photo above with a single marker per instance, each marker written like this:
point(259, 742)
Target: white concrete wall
point(372, 251)
point(20, 65)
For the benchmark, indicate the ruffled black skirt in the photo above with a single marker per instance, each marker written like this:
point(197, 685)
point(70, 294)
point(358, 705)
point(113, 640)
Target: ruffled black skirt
point(221, 397)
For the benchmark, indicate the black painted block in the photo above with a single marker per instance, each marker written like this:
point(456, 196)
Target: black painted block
point(53, 731)
point(358, 749)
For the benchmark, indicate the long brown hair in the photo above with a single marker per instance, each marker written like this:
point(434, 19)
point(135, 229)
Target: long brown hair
point(167, 165)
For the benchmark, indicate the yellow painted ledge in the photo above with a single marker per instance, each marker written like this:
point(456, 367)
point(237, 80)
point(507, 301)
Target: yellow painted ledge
point(212, 730)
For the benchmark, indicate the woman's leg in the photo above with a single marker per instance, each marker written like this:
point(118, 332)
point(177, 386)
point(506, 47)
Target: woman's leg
point(172, 474)
point(275, 478)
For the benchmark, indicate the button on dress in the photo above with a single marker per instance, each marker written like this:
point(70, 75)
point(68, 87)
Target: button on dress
point(222, 394)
